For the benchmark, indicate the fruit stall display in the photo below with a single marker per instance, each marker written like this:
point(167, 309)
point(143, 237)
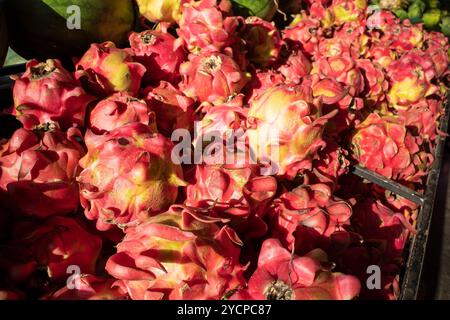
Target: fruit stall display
point(350, 98)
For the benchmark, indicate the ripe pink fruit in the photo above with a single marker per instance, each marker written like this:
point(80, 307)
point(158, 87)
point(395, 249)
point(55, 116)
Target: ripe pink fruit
point(296, 67)
point(306, 217)
point(41, 166)
point(172, 108)
point(305, 33)
point(375, 83)
point(205, 26)
point(410, 78)
point(105, 69)
point(261, 81)
point(127, 176)
point(160, 53)
point(212, 78)
point(285, 128)
point(383, 144)
point(46, 92)
point(118, 110)
point(345, 11)
point(283, 276)
point(50, 246)
point(178, 256)
point(263, 41)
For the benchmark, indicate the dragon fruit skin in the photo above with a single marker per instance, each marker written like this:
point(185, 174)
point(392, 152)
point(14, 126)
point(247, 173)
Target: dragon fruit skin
point(375, 83)
point(437, 46)
point(345, 11)
point(91, 288)
point(261, 81)
point(160, 53)
point(384, 145)
point(205, 27)
point(172, 108)
point(41, 167)
point(46, 92)
point(296, 67)
point(212, 78)
point(306, 217)
point(127, 176)
point(414, 72)
point(177, 256)
point(304, 33)
point(161, 10)
point(51, 246)
point(281, 276)
point(263, 41)
point(119, 110)
point(285, 128)
point(105, 70)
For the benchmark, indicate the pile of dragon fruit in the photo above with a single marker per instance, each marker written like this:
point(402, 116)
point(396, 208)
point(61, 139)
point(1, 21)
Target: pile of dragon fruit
point(94, 205)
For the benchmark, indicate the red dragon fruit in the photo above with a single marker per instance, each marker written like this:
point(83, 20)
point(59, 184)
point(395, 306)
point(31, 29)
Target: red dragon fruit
point(349, 11)
point(205, 27)
point(296, 67)
point(378, 53)
point(263, 41)
point(383, 144)
point(41, 167)
point(177, 256)
point(105, 69)
point(306, 217)
point(172, 108)
point(374, 221)
point(403, 37)
point(160, 53)
point(90, 288)
point(119, 110)
point(437, 46)
point(260, 82)
point(375, 83)
point(304, 32)
point(410, 79)
point(44, 251)
point(285, 128)
point(128, 176)
point(46, 92)
point(283, 276)
point(212, 78)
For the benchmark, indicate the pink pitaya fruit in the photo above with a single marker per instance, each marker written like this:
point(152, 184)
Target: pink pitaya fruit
point(296, 67)
point(160, 53)
point(41, 166)
point(261, 81)
point(178, 256)
point(305, 33)
point(48, 249)
point(127, 176)
point(212, 78)
point(46, 92)
point(383, 144)
point(263, 41)
point(206, 27)
point(172, 108)
point(118, 110)
point(306, 217)
point(281, 275)
point(285, 128)
point(410, 79)
point(105, 69)
point(375, 83)
point(349, 11)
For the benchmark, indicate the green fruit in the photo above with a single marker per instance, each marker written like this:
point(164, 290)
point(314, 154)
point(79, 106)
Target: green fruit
point(265, 9)
point(431, 18)
point(416, 10)
point(53, 28)
point(433, 4)
point(401, 14)
point(445, 26)
point(3, 38)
